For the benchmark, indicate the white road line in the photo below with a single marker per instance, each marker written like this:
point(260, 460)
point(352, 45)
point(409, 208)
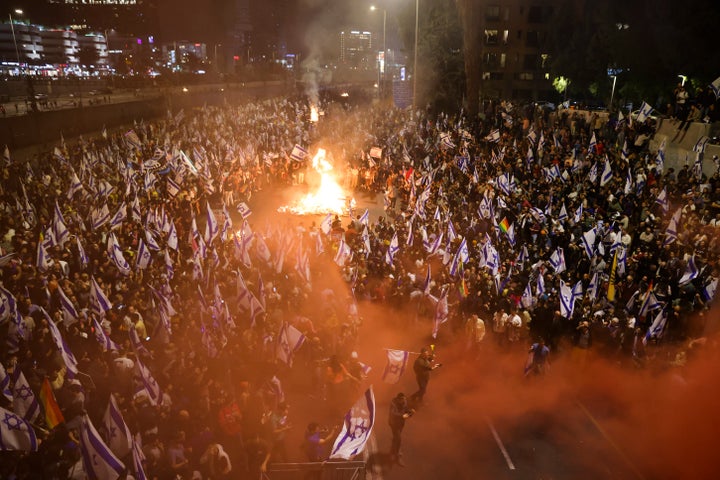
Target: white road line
point(500, 445)
point(375, 469)
point(610, 440)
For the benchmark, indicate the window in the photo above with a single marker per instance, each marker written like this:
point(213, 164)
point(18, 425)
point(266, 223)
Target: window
point(503, 60)
point(535, 14)
point(491, 37)
point(505, 35)
point(491, 59)
point(492, 12)
point(530, 62)
point(525, 76)
point(532, 39)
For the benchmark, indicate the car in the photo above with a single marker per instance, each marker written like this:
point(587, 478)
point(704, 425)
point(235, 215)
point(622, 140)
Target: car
point(545, 105)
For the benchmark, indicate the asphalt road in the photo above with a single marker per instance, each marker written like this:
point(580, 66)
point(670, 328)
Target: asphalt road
point(483, 419)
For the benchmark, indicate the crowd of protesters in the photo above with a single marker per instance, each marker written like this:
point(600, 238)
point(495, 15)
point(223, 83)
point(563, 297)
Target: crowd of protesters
point(180, 308)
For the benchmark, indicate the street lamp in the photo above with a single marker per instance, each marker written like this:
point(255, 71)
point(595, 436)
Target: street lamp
point(381, 71)
point(612, 93)
point(12, 28)
point(684, 79)
point(417, 11)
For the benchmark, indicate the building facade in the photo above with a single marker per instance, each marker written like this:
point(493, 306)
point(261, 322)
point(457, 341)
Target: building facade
point(356, 49)
point(515, 50)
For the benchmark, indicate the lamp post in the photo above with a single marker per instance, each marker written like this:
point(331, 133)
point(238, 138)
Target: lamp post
point(381, 72)
point(12, 28)
point(612, 93)
point(215, 49)
point(417, 12)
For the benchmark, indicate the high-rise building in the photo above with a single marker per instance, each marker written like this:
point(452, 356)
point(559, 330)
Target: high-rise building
point(356, 49)
point(515, 54)
point(136, 17)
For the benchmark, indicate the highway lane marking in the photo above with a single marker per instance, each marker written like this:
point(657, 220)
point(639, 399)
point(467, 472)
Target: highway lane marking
point(614, 445)
point(500, 444)
point(375, 467)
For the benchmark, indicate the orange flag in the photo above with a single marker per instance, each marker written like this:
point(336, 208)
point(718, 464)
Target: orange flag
point(53, 415)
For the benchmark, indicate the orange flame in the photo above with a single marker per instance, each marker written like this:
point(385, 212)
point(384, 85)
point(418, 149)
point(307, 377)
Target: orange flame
point(329, 197)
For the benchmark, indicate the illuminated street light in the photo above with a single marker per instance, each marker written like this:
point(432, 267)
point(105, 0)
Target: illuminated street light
point(684, 79)
point(12, 28)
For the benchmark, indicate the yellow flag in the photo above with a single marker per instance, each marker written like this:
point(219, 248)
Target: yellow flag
point(611, 282)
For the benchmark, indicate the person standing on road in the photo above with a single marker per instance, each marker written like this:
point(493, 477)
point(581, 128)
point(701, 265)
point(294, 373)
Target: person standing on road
point(537, 358)
point(423, 366)
point(399, 412)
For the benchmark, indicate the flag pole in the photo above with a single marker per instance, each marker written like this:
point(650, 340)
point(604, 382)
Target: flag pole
point(412, 353)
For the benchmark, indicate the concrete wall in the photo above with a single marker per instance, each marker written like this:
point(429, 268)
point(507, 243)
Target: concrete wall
point(680, 139)
point(45, 127)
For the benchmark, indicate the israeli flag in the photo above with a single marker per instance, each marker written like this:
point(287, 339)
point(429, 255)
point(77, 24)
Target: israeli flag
point(540, 284)
point(172, 238)
point(607, 173)
point(99, 302)
point(527, 297)
point(671, 233)
point(66, 305)
point(708, 291)
point(588, 241)
point(691, 272)
point(395, 367)
point(298, 153)
point(25, 403)
point(244, 210)
point(592, 290)
point(99, 461)
point(662, 200)
point(344, 253)
point(658, 326)
point(493, 136)
point(593, 143)
point(16, 433)
point(145, 382)
point(365, 218)
point(119, 439)
point(115, 253)
point(393, 248)
point(119, 217)
point(557, 260)
point(432, 247)
point(644, 112)
point(715, 86)
point(326, 224)
point(65, 353)
point(290, 340)
point(105, 342)
point(144, 257)
point(357, 427)
point(578, 214)
point(567, 300)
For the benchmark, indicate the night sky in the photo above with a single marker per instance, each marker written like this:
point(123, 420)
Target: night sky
point(206, 20)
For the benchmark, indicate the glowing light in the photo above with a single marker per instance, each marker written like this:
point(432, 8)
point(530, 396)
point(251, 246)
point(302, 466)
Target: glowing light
point(328, 198)
point(314, 115)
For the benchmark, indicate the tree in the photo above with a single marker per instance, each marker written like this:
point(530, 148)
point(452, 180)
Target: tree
point(440, 76)
point(469, 12)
